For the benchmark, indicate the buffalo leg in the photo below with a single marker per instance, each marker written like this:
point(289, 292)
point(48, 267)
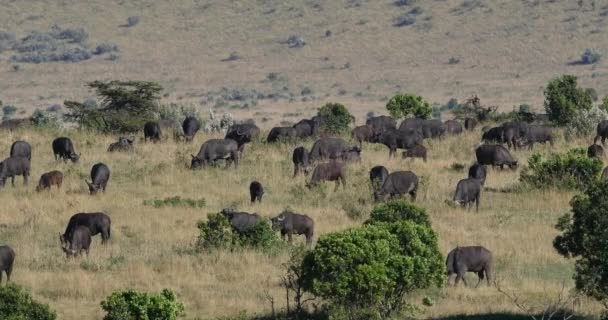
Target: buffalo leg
point(477, 203)
point(295, 171)
point(480, 277)
point(603, 140)
point(13, 180)
point(413, 195)
point(337, 185)
point(289, 236)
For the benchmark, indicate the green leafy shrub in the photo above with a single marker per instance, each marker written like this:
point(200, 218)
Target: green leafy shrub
point(134, 305)
point(572, 170)
point(398, 210)
point(563, 98)
point(217, 233)
point(125, 106)
point(17, 304)
point(42, 119)
point(374, 267)
point(176, 201)
point(405, 105)
point(583, 237)
point(337, 118)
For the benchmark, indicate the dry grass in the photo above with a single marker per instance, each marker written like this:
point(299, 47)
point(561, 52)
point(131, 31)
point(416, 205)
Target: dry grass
point(151, 248)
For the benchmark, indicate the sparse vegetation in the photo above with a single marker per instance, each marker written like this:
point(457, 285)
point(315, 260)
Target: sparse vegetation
point(134, 305)
point(590, 56)
point(406, 105)
point(176, 201)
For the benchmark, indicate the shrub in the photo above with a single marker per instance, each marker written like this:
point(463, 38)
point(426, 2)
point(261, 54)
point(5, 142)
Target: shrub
point(398, 210)
point(590, 56)
point(105, 48)
point(591, 92)
point(584, 122)
point(17, 304)
point(58, 44)
point(176, 201)
point(217, 233)
point(404, 20)
point(604, 104)
point(134, 305)
point(132, 21)
point(572, 170)
point(583, 237)
point(404, 105)
point(8, 111)
point(337, 118)
point(563, 98)
point(42, 119)
point(125, 106)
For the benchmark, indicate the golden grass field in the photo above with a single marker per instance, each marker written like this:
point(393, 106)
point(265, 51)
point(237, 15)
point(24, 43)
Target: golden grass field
point(151, 248)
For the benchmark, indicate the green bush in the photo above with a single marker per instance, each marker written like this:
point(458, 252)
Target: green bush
point(584, 122)
point(563, 98)
point(572, 170)
point(337, 118)
point(398, 210)
point(217, 233)
point(134, 305)
point(42, 119)
point(405, 105)
point(176, 201)
point(125, 106)
point(17, 304)
point(583, 237)
point(373, 268)
point(604, 104)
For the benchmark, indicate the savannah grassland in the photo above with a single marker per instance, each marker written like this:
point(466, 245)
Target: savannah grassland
point(152, 248)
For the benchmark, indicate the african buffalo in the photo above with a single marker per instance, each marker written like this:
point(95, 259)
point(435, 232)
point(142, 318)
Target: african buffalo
point(100, 174)
point(478, 171)
point(494, 155)
point(14, 166)
point(400, 139)
point(242, 134)
point(470, 124)
point(467, 192)
point(452, 127)
point(53, 178)
point(241, 221)
point(190, 127)
point(63, 148)
point(305, 128)
point(78, 242)
point(362, 134)
point(256, 191)
point(96, 222)
point(152, 131)
point(513, 132)
point(123, 144)
point(397, 184)
point(21, 149)
point(602, 131)
point(289, 223)
point(494, 134)
point(469, 259)
point(331, 171)
point(537, 134)
point(595, 151)
point(216, 149)
point(300, 161)
point(327, 148)
point(427, 128)
point(7, 259)
point(352, 155)
point(417, 151)
point(377, 176)
point(380, 124)
point(280, 134)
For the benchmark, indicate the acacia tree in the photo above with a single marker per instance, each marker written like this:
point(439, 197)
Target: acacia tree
point(125, 106)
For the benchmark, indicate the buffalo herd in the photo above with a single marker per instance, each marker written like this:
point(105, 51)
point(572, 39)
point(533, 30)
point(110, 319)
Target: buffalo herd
point(327, 159)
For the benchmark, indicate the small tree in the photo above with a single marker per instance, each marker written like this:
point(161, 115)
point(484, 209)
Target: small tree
point(405, 105)
point(134, 305)
point(337, 118)
point(17, 304)
point(583, 237)
point(564, 98)
point(125, 106)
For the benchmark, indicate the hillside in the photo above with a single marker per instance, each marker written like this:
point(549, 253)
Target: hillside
point(504, 51)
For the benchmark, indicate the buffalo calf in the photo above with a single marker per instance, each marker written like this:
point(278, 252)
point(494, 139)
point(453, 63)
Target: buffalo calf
point(331, 171)
point(377, 176)
point(467, 192)
point(418, 151)
point(256, 191)
point(78, 242)
point(152, 132)
point(53, 178)
point(595, 151)
point(100, 174)
point(7, 259)
point(478, 171)
point(300, 161)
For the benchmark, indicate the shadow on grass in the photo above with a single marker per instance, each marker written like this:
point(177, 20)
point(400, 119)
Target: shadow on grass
point(504, 316)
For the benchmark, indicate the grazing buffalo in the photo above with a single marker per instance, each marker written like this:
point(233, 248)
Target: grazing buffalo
point(241, 221)
point(152, 131)
point(300, 161)
point(331, 171)
point(242, 134)
point(427, 128)
point(411, 124)
point(289, 223)
point(595, 151)
point(417, 151)
point(452, 127)
point(63, 148)
point(7, 259)
point(478, 171)
point(78, 242)
point(467, 192)
point(256, 191)
point(514, 132)
point(14, 166)
point(216, 149)
point(380, 124)
point(328, 148)
point(377, 176)
point(397, 184)
point(123, 144)
point(537, 134)
point(190, 127)
point(494, 155)
point(605, 174)
point(362, 134)
point(96, 222)
point(21, 149)
point(100, 174)
point(400, 139)
point(470, 124)
point(494, 134)
point(305, 128)
point(602, 131)
point(352, 155)
point(469, 259)
point(53, 178)
point(279, 134)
